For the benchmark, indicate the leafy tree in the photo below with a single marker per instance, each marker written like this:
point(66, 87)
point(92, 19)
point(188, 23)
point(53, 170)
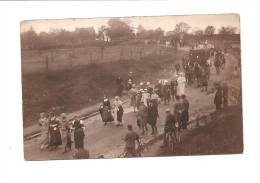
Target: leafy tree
point(118, 29)
point(209, 30)
point(101, 32)
point(199, 32)
point(228, 30)
point(158, 33)
point(29, 39)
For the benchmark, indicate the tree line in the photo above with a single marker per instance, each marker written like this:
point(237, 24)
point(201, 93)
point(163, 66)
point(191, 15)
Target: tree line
point(116, 30)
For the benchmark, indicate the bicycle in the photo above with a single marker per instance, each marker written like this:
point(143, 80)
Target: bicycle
point(170, 139)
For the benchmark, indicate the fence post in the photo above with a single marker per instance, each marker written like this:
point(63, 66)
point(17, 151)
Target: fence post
point(121, 54)
point(90, 58)
point(46, 62)
point(140, 53)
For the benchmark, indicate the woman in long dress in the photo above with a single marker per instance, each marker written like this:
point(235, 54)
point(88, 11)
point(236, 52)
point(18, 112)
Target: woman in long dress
point(181, 84)
point(78, 134)
point(64, 128)
point(44, 124)
point(118, 111)
point(54, 128)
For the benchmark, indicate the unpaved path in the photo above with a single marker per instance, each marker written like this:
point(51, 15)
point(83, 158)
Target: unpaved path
point(107, 140)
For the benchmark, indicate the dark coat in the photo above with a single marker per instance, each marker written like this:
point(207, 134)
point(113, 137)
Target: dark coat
point(55, 135)
point(218, 97)
point(79, 138)
point(152, 113)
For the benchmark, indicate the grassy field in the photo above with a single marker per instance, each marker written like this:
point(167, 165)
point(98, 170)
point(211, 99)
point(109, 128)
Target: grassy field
point(221, 136)
point(72, 89)
point(60, 59)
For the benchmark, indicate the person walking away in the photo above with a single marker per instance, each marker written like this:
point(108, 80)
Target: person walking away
point(78, 134)
point(218, 97)
point(44, 125)
point(118, 111)
point(55, 135)
point(181, 84)
point(168, 126)
point(225, 94)
point(131, 138)
point(185, 112)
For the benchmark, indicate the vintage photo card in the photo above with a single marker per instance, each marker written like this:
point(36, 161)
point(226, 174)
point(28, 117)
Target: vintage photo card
point(131, 87)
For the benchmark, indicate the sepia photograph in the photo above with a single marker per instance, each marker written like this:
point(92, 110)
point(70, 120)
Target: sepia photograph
point(124, 87)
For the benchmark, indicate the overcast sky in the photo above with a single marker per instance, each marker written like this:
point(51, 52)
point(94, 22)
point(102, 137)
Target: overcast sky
point(167, 23)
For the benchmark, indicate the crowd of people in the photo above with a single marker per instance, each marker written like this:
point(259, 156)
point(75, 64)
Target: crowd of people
point(59, 131)
point(197, 66)
point(145, 98)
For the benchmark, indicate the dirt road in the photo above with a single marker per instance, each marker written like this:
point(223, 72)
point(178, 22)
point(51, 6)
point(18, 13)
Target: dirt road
point(108, 140)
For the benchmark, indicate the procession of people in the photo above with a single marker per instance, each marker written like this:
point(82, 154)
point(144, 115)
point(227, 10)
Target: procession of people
point(145, 99)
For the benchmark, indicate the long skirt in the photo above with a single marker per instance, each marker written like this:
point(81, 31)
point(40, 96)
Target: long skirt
point(44, 139)
point(181, 89)
point(184, 119)
point(152, 120)
point(55, 138)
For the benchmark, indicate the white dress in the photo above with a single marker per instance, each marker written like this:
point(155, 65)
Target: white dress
point(116, 105)
point(145, 98)
point(181, 85)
